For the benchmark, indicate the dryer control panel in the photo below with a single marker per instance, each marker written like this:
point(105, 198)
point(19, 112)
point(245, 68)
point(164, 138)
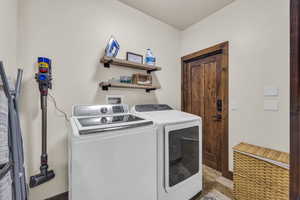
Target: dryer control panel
point(151, 107)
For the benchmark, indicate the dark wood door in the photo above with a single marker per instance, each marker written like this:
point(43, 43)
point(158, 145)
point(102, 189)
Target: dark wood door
point(205, 99)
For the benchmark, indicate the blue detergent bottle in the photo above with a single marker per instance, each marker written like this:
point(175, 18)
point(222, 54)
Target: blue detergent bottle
point(149, 58)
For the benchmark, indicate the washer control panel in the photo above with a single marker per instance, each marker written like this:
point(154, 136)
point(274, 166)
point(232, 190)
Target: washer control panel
point(98, 110)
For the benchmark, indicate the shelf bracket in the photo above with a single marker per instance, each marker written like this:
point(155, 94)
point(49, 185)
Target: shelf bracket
point(151, 70)
point(107, 64)
point(149, 89)
point(105, 87)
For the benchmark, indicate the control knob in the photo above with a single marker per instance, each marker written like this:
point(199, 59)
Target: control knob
point(104, 120)
point(103, 110)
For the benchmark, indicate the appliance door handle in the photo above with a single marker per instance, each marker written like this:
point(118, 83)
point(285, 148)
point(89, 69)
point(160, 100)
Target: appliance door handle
point(165, 159)
point(190, 139)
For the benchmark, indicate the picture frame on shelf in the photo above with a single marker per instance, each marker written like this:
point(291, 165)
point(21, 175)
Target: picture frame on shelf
point(133, 57)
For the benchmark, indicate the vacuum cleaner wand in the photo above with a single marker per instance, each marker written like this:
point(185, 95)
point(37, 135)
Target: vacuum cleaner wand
point(44, 79)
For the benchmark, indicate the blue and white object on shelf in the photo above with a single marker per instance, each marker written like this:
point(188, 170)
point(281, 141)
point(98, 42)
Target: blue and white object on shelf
point(149, 58)
point(112, 47)
point(126, 79)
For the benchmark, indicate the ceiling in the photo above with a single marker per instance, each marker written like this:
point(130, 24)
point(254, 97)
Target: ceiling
point(178, 13)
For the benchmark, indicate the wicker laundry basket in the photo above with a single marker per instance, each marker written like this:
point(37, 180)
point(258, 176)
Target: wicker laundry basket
point(260, 173)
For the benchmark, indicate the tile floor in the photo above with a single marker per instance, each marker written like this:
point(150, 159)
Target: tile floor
point(215, 195)
point(216, 187)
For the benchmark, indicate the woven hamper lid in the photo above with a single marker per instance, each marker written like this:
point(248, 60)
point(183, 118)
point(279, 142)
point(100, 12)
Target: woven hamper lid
point(262, 152)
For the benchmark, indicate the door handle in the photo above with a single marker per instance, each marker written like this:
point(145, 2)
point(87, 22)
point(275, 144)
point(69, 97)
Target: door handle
point(219, 105)
point(217, 117)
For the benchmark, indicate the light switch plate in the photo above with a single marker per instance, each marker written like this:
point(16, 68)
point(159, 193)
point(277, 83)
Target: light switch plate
point(233, 105)
point(271, 105)
point(271, 91)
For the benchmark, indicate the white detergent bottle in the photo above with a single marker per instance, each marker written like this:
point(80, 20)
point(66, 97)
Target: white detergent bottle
point(149, 58)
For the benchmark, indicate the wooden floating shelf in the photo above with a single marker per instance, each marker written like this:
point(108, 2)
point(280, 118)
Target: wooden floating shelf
point(107, 61)
point(106, 85)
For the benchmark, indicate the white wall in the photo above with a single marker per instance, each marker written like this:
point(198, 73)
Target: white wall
point(258, 35)
point(8, 34)
point(74, 34)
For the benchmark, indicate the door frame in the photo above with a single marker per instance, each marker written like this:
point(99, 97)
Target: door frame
point(224, 46)
point(295, 99)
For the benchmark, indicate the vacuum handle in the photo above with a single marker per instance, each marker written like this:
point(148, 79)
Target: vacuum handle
point(44, 123)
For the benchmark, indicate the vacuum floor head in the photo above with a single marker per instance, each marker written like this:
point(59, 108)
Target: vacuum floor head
point(41, 178)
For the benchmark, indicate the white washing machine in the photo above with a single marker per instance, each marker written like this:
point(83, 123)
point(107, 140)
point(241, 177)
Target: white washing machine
point(112, 154)
point(179, 155)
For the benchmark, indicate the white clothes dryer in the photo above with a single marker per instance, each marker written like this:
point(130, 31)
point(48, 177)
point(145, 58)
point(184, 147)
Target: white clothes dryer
point(179, 151)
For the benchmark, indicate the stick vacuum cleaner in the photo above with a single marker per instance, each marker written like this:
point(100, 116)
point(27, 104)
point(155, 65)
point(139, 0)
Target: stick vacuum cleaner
point(44, 79)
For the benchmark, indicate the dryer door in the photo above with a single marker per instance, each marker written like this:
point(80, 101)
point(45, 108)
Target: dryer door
point(182, 154)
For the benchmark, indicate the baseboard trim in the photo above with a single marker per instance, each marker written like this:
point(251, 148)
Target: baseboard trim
point(62, 196)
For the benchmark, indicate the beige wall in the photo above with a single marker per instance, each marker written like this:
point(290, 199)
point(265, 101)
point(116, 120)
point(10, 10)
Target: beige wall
point(8, 35)
point(258, 35)
point(74, 34)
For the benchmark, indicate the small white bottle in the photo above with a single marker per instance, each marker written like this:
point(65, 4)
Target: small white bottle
point(149, 58)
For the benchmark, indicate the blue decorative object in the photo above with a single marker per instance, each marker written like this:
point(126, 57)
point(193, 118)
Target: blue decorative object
point(112, 47)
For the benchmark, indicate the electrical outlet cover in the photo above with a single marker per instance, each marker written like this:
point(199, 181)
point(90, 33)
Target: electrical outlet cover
point(271, 105)
point(271, 91)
